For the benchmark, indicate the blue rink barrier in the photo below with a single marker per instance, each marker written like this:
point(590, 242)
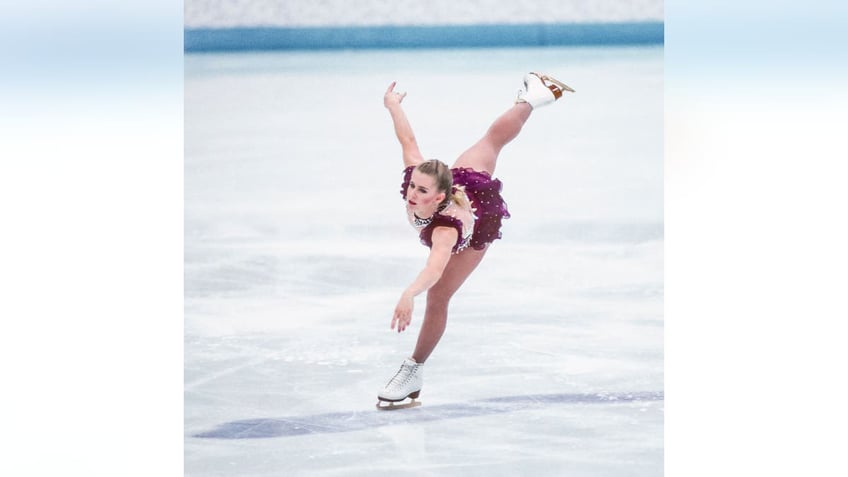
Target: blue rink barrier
point(452, 36)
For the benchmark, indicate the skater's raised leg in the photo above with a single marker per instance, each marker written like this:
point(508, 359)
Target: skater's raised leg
point(483, 155)
point(539, 90)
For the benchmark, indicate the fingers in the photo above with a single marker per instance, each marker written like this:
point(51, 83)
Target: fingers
point(401, 320)
point(391, 90)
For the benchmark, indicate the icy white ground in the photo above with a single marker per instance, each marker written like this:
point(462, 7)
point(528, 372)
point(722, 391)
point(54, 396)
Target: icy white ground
point(297, 248)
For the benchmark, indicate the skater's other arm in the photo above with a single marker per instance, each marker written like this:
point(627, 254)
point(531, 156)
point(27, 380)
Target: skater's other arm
point(391, 100)
point(443, 240)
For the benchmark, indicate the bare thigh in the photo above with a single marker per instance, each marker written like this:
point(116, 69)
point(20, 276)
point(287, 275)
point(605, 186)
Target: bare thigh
point(457, 270)
point(482, 156)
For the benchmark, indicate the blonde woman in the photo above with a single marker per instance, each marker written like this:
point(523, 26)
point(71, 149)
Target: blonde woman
point(457, 211)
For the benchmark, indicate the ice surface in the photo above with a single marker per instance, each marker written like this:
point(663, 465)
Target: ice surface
point(297, 248)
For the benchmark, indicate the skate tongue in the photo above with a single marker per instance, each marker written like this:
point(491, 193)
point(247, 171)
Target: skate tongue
point(410, 362)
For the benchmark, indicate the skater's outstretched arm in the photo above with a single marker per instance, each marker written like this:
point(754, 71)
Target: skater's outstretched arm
point(440, 253)
point(403, 131)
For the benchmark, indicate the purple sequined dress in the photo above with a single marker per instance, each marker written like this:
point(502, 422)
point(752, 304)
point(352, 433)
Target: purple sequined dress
point(486, 201)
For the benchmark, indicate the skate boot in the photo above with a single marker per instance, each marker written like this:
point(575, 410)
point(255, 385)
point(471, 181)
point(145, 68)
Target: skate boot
point(406, 384)
point(540, 89)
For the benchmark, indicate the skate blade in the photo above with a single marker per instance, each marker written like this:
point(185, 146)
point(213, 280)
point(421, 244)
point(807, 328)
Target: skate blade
point(555, 81)
point(394, 406)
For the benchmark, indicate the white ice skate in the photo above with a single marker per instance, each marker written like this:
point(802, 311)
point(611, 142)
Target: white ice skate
point(540, 89)
point(406, 384)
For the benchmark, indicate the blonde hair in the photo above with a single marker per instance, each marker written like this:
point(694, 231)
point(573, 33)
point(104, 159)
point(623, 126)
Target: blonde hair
point(444, 182)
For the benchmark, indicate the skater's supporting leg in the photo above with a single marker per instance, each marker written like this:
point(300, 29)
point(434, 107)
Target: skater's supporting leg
point(438, 297)
point(483, 155)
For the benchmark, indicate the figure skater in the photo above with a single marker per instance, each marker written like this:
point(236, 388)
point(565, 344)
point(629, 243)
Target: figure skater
point(457, 212)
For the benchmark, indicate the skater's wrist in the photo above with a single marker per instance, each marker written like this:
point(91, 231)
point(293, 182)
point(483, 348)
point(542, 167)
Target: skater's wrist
point(408, 294)
point(394, 108)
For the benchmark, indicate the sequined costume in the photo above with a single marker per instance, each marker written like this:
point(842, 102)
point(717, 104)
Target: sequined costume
point(486, 203)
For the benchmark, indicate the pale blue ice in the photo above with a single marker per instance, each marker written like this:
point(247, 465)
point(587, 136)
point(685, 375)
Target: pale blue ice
point(297, 248)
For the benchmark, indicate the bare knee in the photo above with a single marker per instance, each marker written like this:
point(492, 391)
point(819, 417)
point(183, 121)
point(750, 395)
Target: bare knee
point(437, 299)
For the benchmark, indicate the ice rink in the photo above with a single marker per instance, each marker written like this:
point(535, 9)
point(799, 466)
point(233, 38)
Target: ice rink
point(297, 249)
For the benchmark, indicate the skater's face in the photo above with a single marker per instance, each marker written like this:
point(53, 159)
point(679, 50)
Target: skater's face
point(422, 194)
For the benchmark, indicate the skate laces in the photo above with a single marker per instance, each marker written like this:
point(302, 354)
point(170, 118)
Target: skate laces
point(403, 376)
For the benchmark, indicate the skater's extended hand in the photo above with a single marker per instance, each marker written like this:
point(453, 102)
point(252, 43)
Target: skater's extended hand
point(391, 98)
point(403, 312)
